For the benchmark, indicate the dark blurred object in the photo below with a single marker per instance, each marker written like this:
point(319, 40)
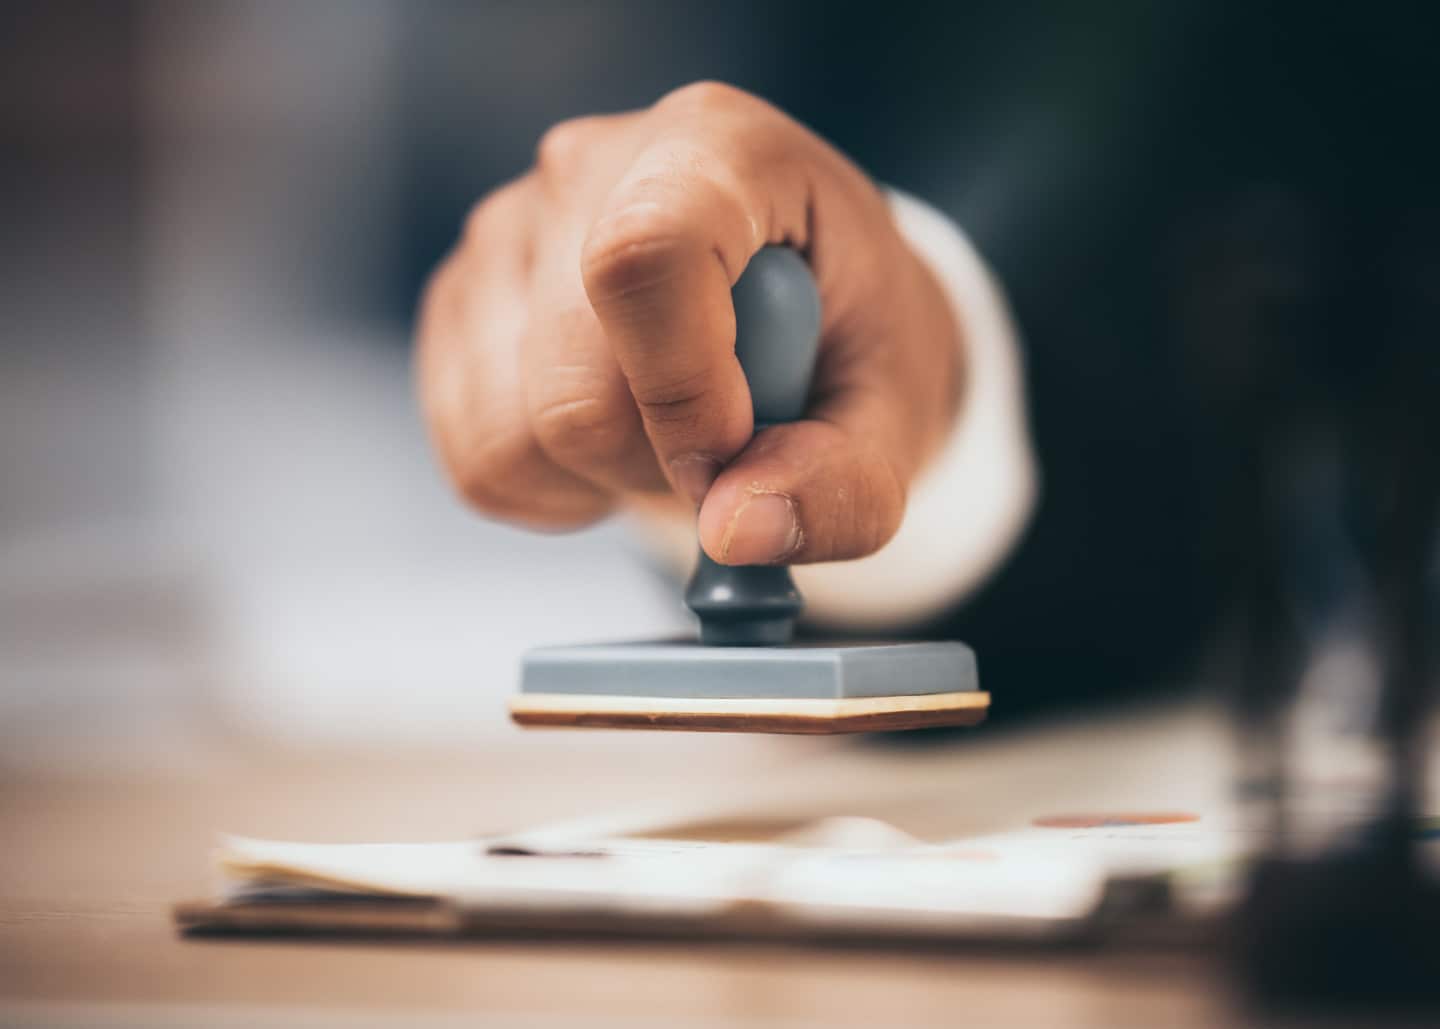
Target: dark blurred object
point(1332, 373)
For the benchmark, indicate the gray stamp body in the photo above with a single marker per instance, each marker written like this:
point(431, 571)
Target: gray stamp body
point(693, 670)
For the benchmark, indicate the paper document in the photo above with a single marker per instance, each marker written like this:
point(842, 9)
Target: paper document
point(1036, 882)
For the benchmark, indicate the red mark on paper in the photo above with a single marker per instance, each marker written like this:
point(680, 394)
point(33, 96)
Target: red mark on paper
point(1115, 818)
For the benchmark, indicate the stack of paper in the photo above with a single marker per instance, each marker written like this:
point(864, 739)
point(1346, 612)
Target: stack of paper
point(835, 878)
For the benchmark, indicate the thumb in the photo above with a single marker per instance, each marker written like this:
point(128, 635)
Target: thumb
point(813, 490)
point(832, 486)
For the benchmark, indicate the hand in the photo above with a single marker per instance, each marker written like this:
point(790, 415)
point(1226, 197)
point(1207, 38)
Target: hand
point(576, 350)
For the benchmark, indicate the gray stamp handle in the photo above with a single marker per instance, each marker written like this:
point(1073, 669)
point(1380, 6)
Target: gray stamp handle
point(777, 338)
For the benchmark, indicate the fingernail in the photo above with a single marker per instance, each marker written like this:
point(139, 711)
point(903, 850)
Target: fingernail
point(693, 474)
point(764, 530)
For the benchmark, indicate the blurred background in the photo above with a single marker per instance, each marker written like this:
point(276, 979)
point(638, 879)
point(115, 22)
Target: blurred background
point(216, 500)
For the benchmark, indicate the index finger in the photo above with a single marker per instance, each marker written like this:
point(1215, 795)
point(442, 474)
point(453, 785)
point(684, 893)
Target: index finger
point(659, 263)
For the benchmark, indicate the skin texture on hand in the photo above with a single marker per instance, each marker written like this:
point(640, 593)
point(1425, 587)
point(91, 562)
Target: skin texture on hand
point(575, 351)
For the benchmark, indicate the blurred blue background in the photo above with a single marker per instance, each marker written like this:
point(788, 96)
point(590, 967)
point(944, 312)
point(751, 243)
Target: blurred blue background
point(216, 500)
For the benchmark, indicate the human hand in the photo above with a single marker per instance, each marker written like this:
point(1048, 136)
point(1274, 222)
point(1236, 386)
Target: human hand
point(576, 350)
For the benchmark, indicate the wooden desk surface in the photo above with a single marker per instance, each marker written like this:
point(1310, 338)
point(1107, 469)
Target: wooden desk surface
point(92, 859)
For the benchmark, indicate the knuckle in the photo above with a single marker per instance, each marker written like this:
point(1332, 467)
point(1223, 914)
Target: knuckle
point(507, 478)
point(438, 301)
point(672, 401)
point(479, 475)
point(630, 250)
point(487, 213)
point(708, 95)
point(488, 489)
point(481, 218)
point(582, 430)
point(475, 484)
point(561, 149)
